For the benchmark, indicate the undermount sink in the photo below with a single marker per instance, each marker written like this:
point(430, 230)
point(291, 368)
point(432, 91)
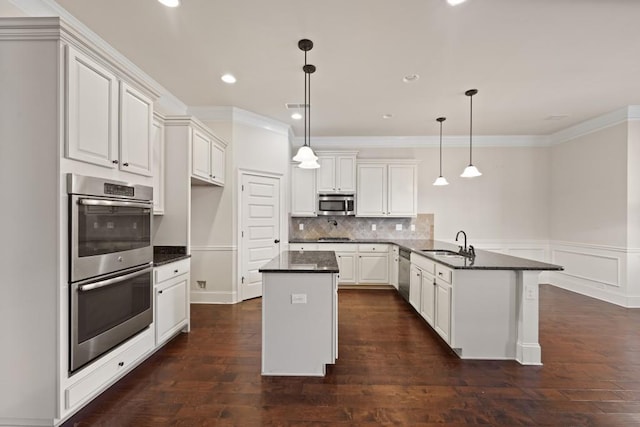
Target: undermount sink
point(443, 252)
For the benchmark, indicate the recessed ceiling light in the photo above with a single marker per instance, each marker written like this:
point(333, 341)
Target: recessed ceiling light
point(296, 116)
point(410, 78)
point(228, 78)
point(387, 116)
point(170, 3)
point(455, 2)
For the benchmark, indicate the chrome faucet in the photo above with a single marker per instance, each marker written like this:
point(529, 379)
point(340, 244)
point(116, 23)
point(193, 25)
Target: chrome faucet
point(470, 251)
point(333, 221)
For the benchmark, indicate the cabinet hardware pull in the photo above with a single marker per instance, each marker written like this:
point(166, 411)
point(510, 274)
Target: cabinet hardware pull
point(115, 162)
point(175, 271)
point(125, 164)
point(276, 241)
point(159, 292)
point(121, 364)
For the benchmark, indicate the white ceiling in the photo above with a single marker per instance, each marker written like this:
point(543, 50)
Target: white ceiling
point(529, 59)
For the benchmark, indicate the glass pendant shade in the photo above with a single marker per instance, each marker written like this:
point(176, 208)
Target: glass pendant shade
point(470, 172)
point(305, 154)
point(441, 180)
point(309, 164)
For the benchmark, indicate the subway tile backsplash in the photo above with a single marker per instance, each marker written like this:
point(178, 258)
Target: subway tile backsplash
point(360, 228)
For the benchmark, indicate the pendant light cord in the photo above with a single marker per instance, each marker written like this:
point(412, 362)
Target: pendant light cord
point(471, 130)
point(440, 148)
point(306, 113)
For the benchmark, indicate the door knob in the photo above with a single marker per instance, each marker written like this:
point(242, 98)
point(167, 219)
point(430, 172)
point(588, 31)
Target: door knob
point(276, 241)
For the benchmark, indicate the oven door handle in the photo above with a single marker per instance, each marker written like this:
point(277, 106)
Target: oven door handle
point(113, 280)
point(98, 202)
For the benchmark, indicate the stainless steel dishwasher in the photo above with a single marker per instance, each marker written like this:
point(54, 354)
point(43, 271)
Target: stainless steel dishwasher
point(404, 273)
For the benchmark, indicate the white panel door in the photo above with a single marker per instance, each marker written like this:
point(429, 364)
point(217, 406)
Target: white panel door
point(136, 121)
point(260, 230)
point(372, 190)
point(92, 111)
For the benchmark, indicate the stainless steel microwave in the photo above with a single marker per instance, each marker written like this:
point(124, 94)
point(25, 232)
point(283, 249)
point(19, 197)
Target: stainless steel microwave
point(336, 204)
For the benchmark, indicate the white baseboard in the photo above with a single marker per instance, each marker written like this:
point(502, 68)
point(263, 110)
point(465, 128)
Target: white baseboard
point(214, 297)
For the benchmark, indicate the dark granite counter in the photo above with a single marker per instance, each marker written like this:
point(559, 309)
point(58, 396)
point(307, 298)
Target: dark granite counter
point(484, 260)
point(166, 254)
point(302, 262)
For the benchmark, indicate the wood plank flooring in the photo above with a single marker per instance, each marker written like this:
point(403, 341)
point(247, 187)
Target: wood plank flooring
point(392, 369)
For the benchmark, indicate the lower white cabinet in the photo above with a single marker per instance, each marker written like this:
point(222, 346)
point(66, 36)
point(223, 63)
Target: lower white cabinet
point(373, 263)
point(442, 315)
point(348, 267)
point(394, 265)
point(430, 294)
point(171, 287)
point(415, 284)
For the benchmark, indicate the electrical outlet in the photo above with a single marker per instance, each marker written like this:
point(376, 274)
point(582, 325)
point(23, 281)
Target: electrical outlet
point(530, 292)
point(298, 298)
point(373, 227)
point(300, 227)
point(398, 227)
point(202, 284)
point(413, 227)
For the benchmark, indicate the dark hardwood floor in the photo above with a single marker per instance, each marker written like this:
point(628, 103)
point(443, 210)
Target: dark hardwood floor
point(392, 369)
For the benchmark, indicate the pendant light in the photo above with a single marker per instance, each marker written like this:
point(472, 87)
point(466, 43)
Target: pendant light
point(470, 171)
point(305, 155)
point(441, 180)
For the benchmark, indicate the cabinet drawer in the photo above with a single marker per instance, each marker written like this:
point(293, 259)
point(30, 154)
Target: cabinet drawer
point(376, 247)
point(169, 271)
point(338, 247)
point(303, 247)
point(118, 362)
point(443, 273)
point(425, 264)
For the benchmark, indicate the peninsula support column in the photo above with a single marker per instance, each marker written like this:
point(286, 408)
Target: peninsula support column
point(528, 350)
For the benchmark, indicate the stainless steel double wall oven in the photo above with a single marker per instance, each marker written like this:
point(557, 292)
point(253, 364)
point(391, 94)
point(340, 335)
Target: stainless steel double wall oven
point(111, 259)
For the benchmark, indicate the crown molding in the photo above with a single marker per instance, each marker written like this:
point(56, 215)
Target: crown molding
point(238, 115)
point(631, 112)
point(357, 142)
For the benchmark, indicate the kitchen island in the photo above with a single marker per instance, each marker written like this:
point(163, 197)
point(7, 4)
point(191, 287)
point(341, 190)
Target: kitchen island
point(483, 307)
point(299, 313)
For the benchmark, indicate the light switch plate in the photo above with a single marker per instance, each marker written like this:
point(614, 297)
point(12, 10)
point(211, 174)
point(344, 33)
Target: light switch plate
point(298, 298)
point(398, 227)
point(413, 227)
point(300, 227)
point(373, 227)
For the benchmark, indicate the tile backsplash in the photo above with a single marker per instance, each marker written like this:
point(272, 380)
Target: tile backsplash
point(360, 228)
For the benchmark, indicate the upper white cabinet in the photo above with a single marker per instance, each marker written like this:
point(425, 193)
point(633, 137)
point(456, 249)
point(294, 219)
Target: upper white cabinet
point(108, 122)
point(387, 188)
point(337, 172)
point(303, 191)
point(158, 165)
point(208, 157)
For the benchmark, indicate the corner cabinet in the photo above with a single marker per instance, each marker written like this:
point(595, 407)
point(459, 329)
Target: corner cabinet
point(208, 157)
point(337, 172)
point(303, 191)
point(387, 188)
point(108, 121)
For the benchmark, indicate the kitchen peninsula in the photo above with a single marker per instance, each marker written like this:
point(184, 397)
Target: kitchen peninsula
point(299, 313)
point(483, 307)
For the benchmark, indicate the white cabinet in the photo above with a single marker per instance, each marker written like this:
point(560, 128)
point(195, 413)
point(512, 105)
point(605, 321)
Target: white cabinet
point(208, 157)
point(348, 267)
point(136, 121)
point(394, 265)
point(92, 111)
point(373, 264)
point(415, 284)
point(387, 189)
point(303, 191)
point(157, 138)
point(443, 302)
point(337, 172)
point(108, 121)
point(428, 295)
point(171, 286)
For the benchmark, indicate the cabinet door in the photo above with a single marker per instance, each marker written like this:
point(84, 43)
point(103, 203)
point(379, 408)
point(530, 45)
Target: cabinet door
point(303, 191)
point(442, 319)
point(372, 190)
point(92, 111)
point(201, 156)
point(326, 174)
point(394, 264)
point(171, 309)
point(157, 137)
point(373, 268)
point(136, 121)
point(217, 163)
point(346, 174)
point(347, 265)
point(402, 198)
point(415, 284)
point(428, 306)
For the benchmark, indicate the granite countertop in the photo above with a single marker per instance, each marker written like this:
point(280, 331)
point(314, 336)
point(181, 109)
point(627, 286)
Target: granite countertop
point(484, 260)
point(302, 262)
point(166, 254)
